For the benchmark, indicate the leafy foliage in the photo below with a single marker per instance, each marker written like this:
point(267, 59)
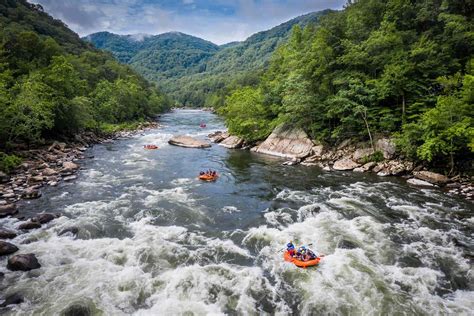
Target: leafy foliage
point(377, 67)
point(9, 162)
point(53, 83)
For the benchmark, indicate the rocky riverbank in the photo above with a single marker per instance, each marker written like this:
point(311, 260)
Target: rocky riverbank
point(294, 144)
point(47, 166)
point(52, 164)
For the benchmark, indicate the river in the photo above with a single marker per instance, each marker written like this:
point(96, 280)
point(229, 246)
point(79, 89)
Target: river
point(154, 240)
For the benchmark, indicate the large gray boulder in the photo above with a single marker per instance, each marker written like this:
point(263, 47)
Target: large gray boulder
point(23, 262)
point(345, 164)
point(188, 141)
point(287, 142)
point(431, 177)
point(232, 142)
point(387, 147)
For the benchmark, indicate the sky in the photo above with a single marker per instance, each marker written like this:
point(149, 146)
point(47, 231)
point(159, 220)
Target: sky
point(219, 21)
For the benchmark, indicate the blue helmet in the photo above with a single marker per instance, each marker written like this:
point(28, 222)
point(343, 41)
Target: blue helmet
point(290, 245)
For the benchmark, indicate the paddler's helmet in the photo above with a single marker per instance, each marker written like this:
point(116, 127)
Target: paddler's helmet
point(290, 246)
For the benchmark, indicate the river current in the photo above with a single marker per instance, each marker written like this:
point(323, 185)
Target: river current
point(153, 240)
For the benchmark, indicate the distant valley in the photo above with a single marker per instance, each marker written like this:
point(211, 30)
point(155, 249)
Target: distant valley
point(190, 69)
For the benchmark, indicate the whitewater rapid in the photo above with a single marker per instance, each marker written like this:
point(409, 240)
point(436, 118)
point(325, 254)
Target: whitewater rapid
point(153, 240)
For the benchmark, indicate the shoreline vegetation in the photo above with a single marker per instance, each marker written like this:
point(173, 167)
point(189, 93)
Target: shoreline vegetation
point(395, 70)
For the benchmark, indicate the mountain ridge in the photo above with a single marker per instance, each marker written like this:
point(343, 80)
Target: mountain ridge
point(178, 61)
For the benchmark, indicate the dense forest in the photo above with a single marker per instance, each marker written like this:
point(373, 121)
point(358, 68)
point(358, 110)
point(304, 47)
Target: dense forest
point(195, 72)
point(396, 67)
point(53, 84)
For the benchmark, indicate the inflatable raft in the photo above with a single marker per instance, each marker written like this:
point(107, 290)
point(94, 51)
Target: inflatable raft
point(150, 147)
point(208, 178)
point(299, 263)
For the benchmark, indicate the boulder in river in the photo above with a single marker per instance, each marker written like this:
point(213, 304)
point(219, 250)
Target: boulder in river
point(232, 142)
point(12, 299)
point(431, 177)
point(345, 164)
point(29, 225)
point(6, 248)
point(44, 218)
point(419, 182)
point(7, 234)
point(8, 210)
point(287, 142)
point(188, 141)
point(23, 262)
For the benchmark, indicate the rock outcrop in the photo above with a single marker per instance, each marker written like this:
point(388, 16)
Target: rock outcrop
point(345, 164)
point(188, 141)
point(23, 262)
point(232, 142)
point(287, 142)
point(431, 177)
point(387, 147)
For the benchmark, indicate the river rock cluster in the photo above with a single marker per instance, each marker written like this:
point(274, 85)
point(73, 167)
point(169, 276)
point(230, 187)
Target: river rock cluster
point(294, 144)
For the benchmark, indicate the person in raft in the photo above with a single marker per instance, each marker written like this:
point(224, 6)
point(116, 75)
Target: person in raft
point(291, 249)
point(303, 253)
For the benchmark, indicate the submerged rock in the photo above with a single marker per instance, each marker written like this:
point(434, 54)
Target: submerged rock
point(23, 262)
point(44, 218)
point(431, 177)
point(12, 299)
point(232, 142)
point(69, 230)
point(287, 142)
point(345, 164)
point(188, 141)
point(6, 248)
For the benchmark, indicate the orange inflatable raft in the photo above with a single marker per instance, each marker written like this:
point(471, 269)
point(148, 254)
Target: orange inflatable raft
point(299, 263)
point(208, 178)
point(150, 147)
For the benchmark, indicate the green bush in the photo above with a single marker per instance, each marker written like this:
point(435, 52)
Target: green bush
point(375, 157)
point(9, 162)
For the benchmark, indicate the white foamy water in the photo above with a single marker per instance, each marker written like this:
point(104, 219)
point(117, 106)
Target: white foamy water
point(140, 235)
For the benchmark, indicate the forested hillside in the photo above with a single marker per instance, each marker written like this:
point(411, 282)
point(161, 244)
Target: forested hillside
point(193, 71)
point(395, 67)
point(53, 84)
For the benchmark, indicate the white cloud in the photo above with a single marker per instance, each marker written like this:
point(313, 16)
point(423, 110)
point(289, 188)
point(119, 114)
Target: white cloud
point(139, 16)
